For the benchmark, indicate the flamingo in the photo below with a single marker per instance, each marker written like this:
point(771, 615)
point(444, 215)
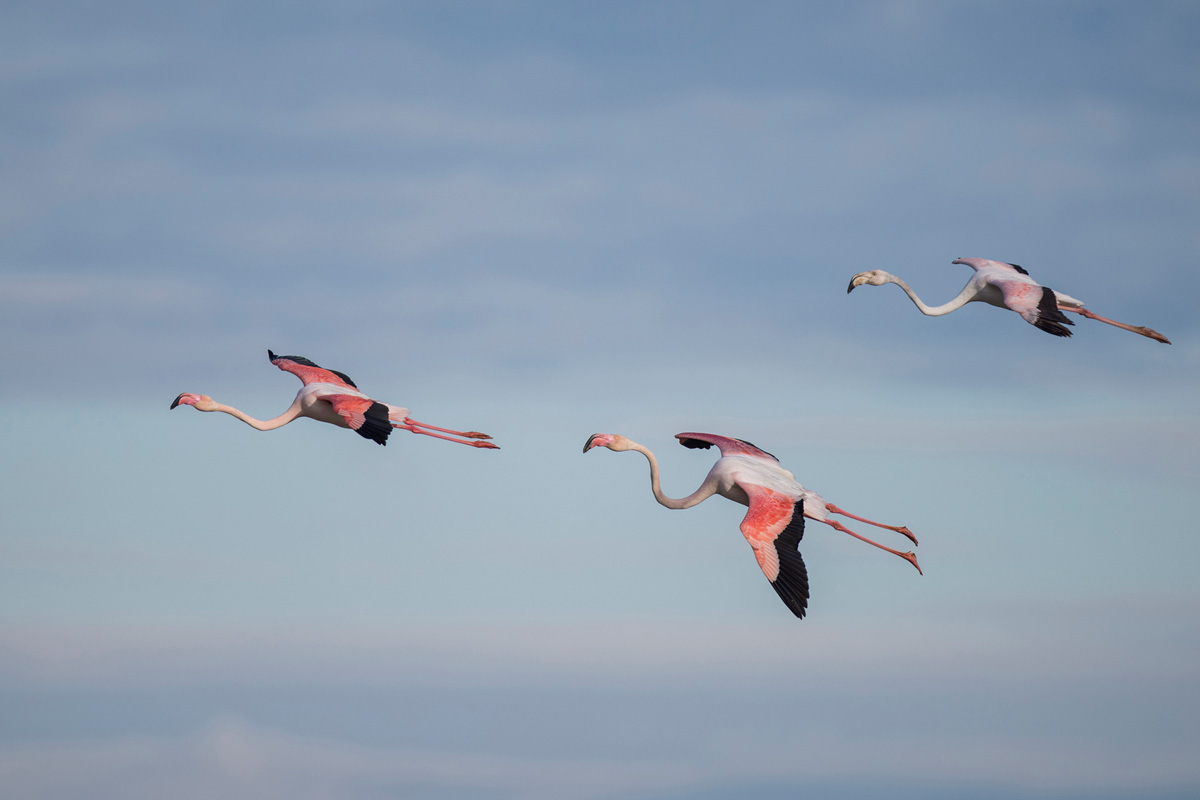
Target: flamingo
point(1006, 286)
point(778, 504)
point(330, 396)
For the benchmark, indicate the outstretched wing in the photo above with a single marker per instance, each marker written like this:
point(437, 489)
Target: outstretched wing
point(1038, 305)
point(774, 526)
point(309, 372)
point(727, 446)
point(989, 263)
point(365, 416)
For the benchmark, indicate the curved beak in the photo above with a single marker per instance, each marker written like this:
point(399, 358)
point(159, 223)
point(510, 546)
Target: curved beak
point(853, 283)
point(588, 445)
point(177, 399)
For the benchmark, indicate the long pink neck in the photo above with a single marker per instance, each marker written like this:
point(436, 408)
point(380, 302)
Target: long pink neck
point(706, 490)
point(259, 424)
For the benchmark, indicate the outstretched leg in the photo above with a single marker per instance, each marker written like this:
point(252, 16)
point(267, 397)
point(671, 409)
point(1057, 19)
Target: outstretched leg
point(464, 434)
point(909, 557)
point(472, 443)
point(903, 529)
point(1142, 329)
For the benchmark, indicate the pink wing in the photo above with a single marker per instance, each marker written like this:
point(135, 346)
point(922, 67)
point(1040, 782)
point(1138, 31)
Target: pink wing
point(309, 372)
point(727, 446)
point(1038, 305)
point(365, 416)
point(774, 526)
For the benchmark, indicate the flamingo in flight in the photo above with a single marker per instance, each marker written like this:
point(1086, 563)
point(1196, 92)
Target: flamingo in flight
point(1006, 286)
point(778, 504)
point(330, 396)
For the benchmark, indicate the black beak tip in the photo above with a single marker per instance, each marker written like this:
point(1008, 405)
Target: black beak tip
point(173, 405)
point(588, 445)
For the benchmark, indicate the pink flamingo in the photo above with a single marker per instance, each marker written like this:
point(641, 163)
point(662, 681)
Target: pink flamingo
point(778, 504)
point(330, 396)
point(1006, 286)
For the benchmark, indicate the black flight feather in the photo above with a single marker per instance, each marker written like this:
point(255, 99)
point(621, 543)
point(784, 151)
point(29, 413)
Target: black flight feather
point(1049, 317)
point(304, 362)
point(791, 584)
point(697, 444)
point(376, 426)
point(344, 377)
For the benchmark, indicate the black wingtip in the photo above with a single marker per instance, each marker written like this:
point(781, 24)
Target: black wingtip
point(376, 425)
point(793, 588)
point(1052, 327)
point(1050, 318)
point(270, 355)
point(791, 584)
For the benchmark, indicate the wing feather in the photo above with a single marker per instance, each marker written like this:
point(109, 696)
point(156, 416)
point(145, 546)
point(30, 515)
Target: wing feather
point(728, 446)
point(308, 372)
point(366, 417)
point(774, 526)
point(1037, 304)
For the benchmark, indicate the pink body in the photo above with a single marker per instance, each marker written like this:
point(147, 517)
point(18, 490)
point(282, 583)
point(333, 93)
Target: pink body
point(1005, 285)
point(330, 396)
point(776, 506)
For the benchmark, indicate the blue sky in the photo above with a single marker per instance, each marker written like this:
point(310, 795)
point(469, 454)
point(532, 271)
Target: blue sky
point(546, 220)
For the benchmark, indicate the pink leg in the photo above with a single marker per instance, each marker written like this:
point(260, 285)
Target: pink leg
point(903, 529)
point(909, 557)
point(1142, 329)
point(465, 434)
point(414, 429)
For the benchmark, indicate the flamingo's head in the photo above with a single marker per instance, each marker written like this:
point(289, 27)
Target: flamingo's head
point(973, 263)
point(613, 441)
point(202, 402)
point(875, 277)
